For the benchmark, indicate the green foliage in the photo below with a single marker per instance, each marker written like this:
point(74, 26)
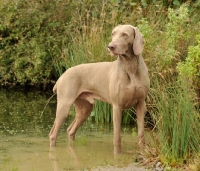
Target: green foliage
point(40, 39)
point(177, 122)
point(191, 66)
point(174, 32)
point(31, 34)
point(102, 113)
point(168, 46)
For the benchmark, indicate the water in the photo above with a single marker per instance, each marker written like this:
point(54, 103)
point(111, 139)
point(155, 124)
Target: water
point(24, 143)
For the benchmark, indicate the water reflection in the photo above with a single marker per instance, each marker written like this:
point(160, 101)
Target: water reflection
point(24, 143)
point(20, 112)
point(98, 151)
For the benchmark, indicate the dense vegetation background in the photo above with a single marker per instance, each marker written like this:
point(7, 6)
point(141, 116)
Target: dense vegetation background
point(40, 39)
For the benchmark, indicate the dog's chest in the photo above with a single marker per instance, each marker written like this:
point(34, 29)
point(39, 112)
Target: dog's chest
point(131, 95)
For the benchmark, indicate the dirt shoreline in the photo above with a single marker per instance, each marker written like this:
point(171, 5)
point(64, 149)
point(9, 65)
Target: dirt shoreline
point(132, 167)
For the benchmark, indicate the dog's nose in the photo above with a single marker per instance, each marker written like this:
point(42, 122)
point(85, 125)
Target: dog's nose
point(111, 46)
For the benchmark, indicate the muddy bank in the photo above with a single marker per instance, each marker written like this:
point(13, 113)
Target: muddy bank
point(132, 167)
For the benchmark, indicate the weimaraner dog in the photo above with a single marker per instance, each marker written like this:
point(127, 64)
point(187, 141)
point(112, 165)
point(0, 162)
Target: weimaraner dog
point(123, 83)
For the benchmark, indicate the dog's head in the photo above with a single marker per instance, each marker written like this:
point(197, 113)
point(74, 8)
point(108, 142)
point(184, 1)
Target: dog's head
point(126, 39)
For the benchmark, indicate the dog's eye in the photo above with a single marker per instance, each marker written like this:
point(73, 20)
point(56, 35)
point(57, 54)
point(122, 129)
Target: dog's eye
point(112, 34)
point(124, 35)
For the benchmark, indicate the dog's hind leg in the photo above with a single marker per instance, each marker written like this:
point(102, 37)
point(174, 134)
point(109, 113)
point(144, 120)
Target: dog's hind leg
point(83, 110)
point(61, 115)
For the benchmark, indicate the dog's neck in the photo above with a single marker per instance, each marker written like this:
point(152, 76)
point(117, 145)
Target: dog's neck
point(129, 63)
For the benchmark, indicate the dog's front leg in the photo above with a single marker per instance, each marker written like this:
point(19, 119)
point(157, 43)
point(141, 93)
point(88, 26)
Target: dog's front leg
point(140, 112)
point(117, 117)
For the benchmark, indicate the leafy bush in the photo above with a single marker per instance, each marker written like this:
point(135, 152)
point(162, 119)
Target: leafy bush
point(191, 66)
point(41, 39)
point(32, 39)
point(176, 39)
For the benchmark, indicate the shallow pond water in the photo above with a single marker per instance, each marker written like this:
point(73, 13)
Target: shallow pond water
point(24, 143)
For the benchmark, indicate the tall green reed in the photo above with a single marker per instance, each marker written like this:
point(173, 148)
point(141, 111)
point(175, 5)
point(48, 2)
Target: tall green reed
point(177, 121)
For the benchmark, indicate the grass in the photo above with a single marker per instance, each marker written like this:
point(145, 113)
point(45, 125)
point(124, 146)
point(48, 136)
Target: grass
point(177, 122)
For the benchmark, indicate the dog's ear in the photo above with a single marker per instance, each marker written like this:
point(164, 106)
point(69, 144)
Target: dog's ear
point(138, 42)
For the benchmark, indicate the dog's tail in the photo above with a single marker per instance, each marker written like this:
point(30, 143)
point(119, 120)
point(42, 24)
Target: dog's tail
point(55, 88)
